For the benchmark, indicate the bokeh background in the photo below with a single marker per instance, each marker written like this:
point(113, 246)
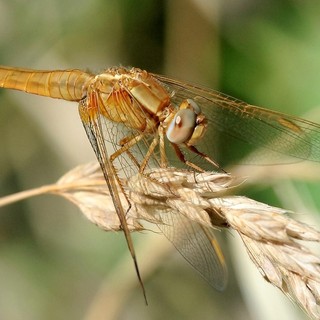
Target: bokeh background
point(56, 265)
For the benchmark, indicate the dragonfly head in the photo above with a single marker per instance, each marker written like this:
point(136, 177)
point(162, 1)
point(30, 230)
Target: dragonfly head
point(188, 124)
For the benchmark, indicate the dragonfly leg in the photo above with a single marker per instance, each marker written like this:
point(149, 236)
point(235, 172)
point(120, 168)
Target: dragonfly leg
point(183, 159)
point(204, 156)
point(129, 153)
point(146, 159)
point(163, 158)
point(127, 143)
point(125, 146)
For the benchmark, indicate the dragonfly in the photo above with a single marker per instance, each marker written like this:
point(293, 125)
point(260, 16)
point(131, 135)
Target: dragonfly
point(138, 121)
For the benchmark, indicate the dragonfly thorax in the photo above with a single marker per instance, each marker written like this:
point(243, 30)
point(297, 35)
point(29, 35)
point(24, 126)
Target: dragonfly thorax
point(132, 97)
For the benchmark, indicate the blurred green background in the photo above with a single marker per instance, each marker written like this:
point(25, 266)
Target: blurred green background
point(56, 265)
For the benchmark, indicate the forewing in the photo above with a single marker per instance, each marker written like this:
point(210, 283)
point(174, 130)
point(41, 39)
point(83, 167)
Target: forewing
point(197, 244)
point(233, 120)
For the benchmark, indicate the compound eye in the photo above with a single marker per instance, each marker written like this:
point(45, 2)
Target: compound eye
point(193, 106)
point(182, 126)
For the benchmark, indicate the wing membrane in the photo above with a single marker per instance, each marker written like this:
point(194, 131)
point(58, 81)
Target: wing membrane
point(230, 119)
point(197, 244)
point(93, 124)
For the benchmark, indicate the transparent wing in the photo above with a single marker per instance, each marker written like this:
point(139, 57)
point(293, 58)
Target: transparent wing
point(231, 120)
point(197, 244)
point(94, 123)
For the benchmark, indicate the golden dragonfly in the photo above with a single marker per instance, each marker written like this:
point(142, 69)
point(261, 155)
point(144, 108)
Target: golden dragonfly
point(138, 121)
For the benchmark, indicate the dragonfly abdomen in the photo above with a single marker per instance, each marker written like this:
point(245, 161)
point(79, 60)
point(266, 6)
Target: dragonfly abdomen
point(62, 84)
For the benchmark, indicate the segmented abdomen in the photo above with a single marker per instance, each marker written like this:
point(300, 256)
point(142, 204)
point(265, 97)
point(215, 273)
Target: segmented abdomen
point(62, 84)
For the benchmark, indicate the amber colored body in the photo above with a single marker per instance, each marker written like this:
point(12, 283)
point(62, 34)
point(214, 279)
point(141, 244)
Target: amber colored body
point(139, 113)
